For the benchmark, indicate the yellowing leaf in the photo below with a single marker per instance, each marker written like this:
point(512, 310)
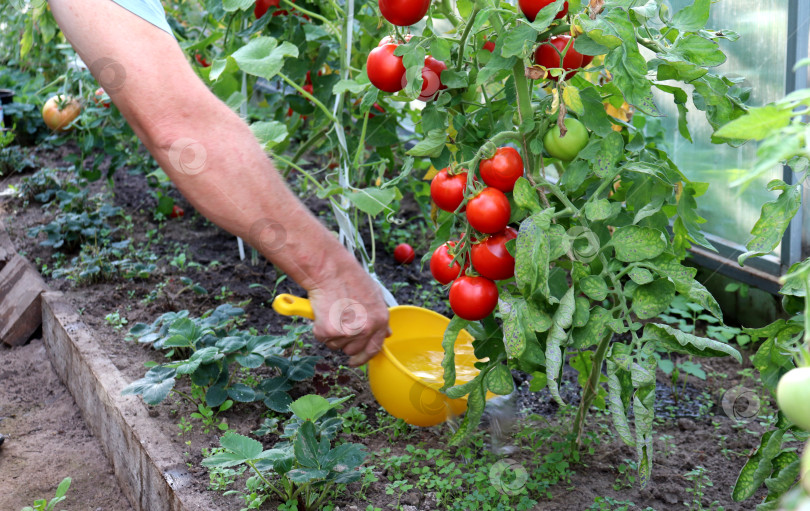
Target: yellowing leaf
point(572, 99)
point(430, 174)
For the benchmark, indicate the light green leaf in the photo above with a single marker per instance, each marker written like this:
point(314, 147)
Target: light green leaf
point(431, 145)
point(264, 57)
point(633, 243)
point(269, 133)
point(372, 200)
point(525, 196)
point(242, 446)
point(310, 407)
point(532, 254)
point(236, 5)
point(350, 86)
point(499, 380)
point(774, 219)
point(640, 276)
point(563, 318)
point(650, 300)
point(601, 209)
point(610, 152)
point(692, 17)
point(455, 326)
point(757, 124)
point(594, 287)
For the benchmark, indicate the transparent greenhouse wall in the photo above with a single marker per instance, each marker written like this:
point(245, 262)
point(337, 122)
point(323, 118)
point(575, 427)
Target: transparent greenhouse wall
point(759, 56)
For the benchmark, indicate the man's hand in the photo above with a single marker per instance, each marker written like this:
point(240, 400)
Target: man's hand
point(350, 314)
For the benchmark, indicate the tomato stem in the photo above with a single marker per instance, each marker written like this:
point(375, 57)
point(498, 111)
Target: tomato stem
point(309, 97)
point(311, 14)
point(447, 10)
point(590, 390)
point(464, 35)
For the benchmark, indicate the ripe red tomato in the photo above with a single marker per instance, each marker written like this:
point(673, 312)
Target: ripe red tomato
point(490, 257)
point(386, 71)
point(100, 98)
point(489, 46)
point(503, 169)
point(473, 298)
point(404, 253)
point(177, 212)
point(262, 6)
point(309, 88)
point(201, 60)
point(548, 55)
point(440, 264)
point(489, 211)
point(431, 78)
point(530, 8)
point(447, 191)
point(404, 13)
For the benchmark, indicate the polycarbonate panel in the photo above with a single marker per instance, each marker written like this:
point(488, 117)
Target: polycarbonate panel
point(760, 57)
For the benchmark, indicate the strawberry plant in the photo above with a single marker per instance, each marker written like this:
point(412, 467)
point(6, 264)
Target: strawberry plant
point(306, 464)
point(207, 349)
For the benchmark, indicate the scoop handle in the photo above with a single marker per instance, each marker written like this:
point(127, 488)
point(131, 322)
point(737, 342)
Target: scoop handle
point(291, 305)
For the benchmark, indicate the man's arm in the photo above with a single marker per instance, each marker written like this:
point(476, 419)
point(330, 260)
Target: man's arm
point(215, 161)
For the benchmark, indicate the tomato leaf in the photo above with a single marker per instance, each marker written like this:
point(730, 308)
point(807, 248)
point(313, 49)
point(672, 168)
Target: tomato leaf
point(269, 133)
point(643, 377)
point(476, 402)
point(372, 200)
point(499, 380)
point(525, 196)
point(563, 318)
point(633, 243)
point(673, 340)
point(759, 466)
point(594, 287)
point(611, 150)
point(650, 300)
point(532, 254)
point(431, 145)
point(236, 5)
point(774, 219)
point(601, 209)
point(448, 344)
point(692, 17)
point(620, 390)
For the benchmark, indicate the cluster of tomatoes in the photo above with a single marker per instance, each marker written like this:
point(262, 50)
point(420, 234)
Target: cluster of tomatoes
point(474, 296)
point(262, 6)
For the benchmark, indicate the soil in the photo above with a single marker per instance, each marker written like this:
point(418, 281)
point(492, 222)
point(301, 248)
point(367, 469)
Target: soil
point(47, 439)
point(691, 431)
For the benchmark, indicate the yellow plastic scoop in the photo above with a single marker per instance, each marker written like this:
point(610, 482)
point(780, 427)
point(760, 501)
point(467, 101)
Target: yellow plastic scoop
point(406, 375)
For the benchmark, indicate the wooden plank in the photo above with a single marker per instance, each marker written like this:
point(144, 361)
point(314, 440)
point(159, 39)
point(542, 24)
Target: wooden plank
point(20, 306)
point(149, 466)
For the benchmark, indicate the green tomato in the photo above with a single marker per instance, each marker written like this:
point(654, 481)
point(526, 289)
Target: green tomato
point(568, 147)
point(793, 396)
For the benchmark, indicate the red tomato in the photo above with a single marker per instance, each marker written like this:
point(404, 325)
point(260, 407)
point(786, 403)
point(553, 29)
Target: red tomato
point(440, 264)
point(489, 211)
point(503, 169)
point(404, 12)
point(490, 257)
point(530, 8)
point(431, 76)
point(489, 46)
point(586, 60)
point(448, 191)
point(99, 98)
point(548, 55)
point(404, 253)
point(309, 88)
point(386, 71)
point(309, 77)
point(262, 6)
point(201, 60)
point(473, 298)
point(177, 212)
point(390, 39)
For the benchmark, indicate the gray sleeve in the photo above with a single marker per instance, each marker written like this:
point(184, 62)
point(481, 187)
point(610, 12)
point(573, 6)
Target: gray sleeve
point(150, 10)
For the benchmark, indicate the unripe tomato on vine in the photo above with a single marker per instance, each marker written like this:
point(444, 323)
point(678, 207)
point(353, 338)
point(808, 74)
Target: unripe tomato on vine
point(403, 13)
point(568, 147)
point(793, 396)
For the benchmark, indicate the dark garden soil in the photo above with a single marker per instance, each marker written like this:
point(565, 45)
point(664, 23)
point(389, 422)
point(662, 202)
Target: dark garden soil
point(695, 431)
